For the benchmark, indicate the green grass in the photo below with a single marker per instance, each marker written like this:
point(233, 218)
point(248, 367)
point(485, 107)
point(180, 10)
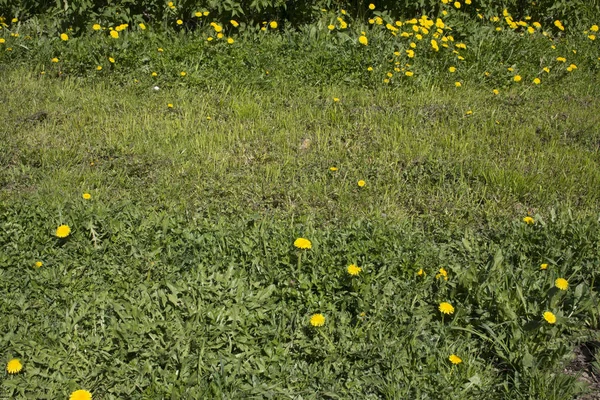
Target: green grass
point(419, 153)
point(180, 279)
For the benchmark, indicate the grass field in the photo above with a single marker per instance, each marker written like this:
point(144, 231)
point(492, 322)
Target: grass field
point(452, 235)
point(180, 277)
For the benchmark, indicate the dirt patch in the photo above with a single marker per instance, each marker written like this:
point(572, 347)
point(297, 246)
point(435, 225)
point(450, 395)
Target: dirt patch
point(583, 367)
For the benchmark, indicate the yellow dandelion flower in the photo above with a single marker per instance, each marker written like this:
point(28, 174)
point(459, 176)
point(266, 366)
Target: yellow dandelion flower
point(546, 70)
point(363, 40)
point(353, 269)
point(99, 68)
point(452, 69)
point(170, 105)
point(234, 23)
point(303, 243)
point(205, 13)
point(154, 74)
point(81, 395)
point(38, 264)
point(336, 99)
point(457, 84)
point(442, 274)
point(559, 25)
point(544, 266)
point(86, 196)
point(331, 27)
point(594, 28)
point(370, 69)
point(528, 220)
point(54, 60)
point(371, 6)
point(14, 366)
point(179, 22)
point(183, 73)
point(112, 60)
point(333, 169)
point(142, 26)
point(114, 34)
point(273, 24)
point(2, 40)
point(220, 35)
point(517, 78)
point(63, 231)
point(446, 308)
point(421, 272)
point(230, 40)
point(592, 37)
point(64, 37)
point(409, 73)
point(14, 20)
point(361, 183)
point(495, 91)
point(550, 317)
point(561, 59)
point(561, 283)
point(457, 4)
point(96, 27)
point(454, 359)
point(537, 81)
point(317, 320)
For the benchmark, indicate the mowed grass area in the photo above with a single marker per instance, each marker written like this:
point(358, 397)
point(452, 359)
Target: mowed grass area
point(420, 151)
point(180, 278)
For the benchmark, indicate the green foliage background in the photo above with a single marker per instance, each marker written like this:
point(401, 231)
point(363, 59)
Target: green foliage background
point(80, 13)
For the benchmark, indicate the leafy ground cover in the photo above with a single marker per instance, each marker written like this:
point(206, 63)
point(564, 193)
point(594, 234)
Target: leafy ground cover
point(149, 224)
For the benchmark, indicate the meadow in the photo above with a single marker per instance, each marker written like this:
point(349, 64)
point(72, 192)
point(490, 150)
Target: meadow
point(358, 201)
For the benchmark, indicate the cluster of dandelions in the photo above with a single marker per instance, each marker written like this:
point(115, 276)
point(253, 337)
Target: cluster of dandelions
point(318, 319)
point(15, 366)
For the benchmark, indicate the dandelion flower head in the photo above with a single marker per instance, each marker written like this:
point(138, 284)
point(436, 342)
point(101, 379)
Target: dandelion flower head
point(454, 359)
point(549, 317)
point(81, 395)
point(442, 274)
point(63, 231)
point(14, 366)
point(353, 269)
point(561, 283)
point(446, 308)
point(528, 220)
point(303, 243)
point(317, 320)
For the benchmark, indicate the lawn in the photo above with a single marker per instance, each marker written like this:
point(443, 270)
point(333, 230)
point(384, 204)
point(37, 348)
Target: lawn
point(451, 235)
